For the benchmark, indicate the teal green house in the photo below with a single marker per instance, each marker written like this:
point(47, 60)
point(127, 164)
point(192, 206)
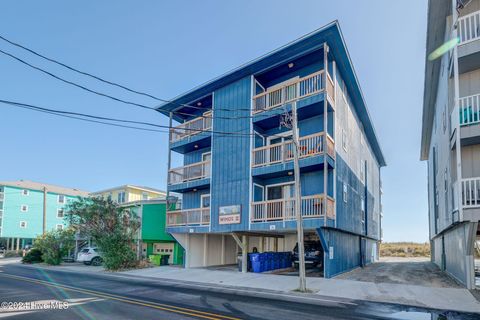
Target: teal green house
point(28, 208)
point(152, 235)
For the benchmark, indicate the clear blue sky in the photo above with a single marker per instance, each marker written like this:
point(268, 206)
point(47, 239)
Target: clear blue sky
point(167, 48)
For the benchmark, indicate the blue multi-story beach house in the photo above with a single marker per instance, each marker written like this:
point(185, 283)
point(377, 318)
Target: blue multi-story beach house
point(237, 181)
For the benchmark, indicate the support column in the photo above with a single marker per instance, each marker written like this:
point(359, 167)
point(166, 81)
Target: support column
point(222, 257)
point(261, 247)
point(244, 254)
point(275, 245)
point(205, 248)
point(187, 251)
point(243, 244)
point(18, 244)
point(8, 243)
point(471, 236)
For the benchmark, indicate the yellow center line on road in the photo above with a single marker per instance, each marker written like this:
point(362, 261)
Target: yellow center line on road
point(155, 305)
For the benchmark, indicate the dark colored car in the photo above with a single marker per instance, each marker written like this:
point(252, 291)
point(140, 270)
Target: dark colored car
point(313, 254)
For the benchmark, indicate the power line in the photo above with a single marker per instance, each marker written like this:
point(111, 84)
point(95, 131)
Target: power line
point(107, 81)
point(89, 120)
point(78, 115)
point(104, 94)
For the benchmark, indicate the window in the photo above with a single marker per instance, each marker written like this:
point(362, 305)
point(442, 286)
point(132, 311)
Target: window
point(24, 208)
point(109, 197)
point(363, 205)
point(23, 224)
point(144, 195)
point(60, 213)
point(25, 192)
point(205, 201)
point(345, 192)
point(121, 197)
point(344, 139)
point(61, 198)
point(59, 227)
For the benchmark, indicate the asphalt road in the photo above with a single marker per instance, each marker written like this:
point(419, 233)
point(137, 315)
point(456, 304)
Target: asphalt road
point(27, 290)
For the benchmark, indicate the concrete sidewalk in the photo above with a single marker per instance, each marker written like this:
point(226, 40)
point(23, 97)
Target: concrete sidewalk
point(454, 299)
point(421, 296)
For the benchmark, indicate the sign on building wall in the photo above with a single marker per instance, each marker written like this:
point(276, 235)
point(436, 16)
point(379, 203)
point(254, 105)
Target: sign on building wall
point(229, 214)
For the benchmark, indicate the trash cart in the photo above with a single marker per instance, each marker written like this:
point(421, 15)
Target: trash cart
point(164, 259)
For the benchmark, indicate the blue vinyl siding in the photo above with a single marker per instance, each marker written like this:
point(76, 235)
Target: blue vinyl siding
point(346, 252)
point(231, 155)
point(349, 214)
point(194, 156)
point(191, 200)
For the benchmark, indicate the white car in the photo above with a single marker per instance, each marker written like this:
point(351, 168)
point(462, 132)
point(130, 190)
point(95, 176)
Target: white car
point(90, 256)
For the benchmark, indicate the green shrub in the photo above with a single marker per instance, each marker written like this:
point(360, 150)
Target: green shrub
point(113, 228)
point(33, 256)
point(54, 245)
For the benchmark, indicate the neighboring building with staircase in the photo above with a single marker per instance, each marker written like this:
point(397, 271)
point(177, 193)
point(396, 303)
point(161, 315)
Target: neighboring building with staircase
point(236, 182)
point(451, 135)
point(28, 208)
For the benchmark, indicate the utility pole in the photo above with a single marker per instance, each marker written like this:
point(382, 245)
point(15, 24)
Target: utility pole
point(296, 174)
point(44, 226)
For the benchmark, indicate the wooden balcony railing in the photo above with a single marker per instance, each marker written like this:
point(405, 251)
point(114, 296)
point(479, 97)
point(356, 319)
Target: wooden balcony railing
point(284, 209)
point(469, 27)
point(188, 217)
point(469, 110)
point(293, 90)
point(192, 127)
point(190, 172)
point(471, 192)
point(310, 145)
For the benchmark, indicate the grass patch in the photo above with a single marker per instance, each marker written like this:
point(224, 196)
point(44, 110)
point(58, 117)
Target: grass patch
point(404, 249)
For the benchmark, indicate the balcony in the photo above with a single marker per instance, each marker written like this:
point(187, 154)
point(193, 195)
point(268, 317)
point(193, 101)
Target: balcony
point(195, 171)
point(469, 27)
point(470, 193)
point(284, 209)
point(469, 110)
point(293, 90)
point(188, 217)
point(191, 128)
point(309, 146)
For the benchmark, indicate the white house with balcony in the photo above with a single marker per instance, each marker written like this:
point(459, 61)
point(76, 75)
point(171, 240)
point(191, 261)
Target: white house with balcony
point(451, 135)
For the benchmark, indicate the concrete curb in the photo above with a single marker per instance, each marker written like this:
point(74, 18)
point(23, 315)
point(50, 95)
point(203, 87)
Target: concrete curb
point(340, 291)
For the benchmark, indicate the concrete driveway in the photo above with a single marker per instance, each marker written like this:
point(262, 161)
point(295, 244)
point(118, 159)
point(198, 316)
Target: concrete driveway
point(414, 271)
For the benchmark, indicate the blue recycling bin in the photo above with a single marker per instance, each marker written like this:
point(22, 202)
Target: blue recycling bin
point(255, 261)
point(276, 260)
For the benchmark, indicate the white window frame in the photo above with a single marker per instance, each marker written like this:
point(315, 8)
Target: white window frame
point(262, 187)
point(24, 224)
point(207, 169)
point(59, 227)
point(292, 183)
point(345, 192)
point(59, 197)
point(24, 206)
point(205, 196)
point(282, 135)
point(25, 192)
point(63, 213)
point(123, 198)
